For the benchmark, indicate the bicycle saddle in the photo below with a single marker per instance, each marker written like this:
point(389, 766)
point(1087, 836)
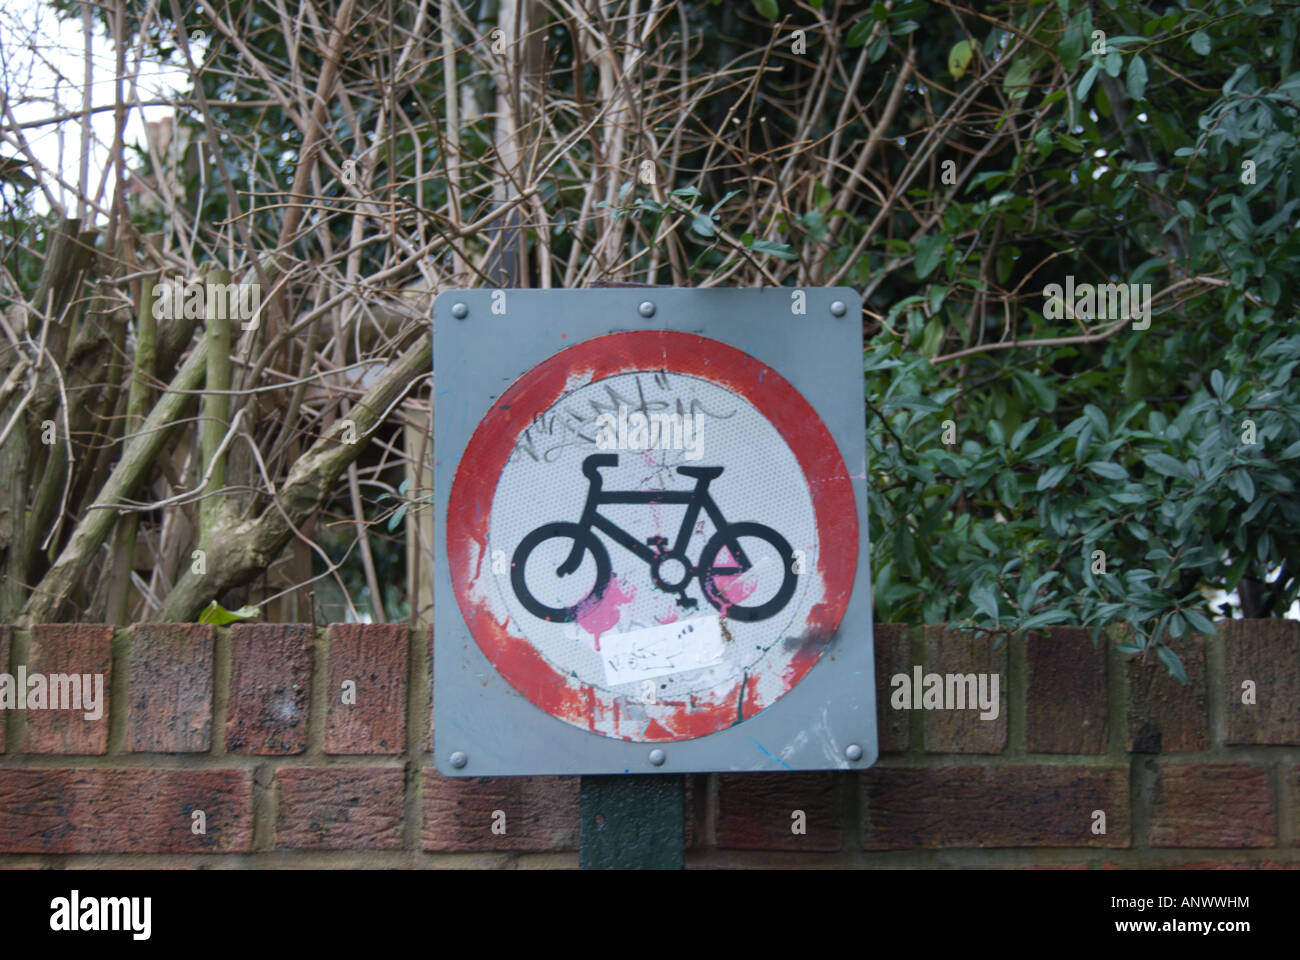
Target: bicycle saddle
point(701, 473)
point(594, 462)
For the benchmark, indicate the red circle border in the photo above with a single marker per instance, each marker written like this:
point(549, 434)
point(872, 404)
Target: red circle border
point(486, 454)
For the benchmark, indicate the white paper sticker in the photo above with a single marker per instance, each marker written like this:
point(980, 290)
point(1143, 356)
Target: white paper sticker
point(659, 651)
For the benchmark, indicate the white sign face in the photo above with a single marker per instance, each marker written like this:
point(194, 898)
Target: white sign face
point(687, 471)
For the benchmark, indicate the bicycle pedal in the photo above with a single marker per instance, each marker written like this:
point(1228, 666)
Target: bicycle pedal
point(689, 603)
point(658, 541)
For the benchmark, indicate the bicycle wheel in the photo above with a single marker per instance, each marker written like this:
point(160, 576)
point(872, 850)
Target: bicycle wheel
point(724, 584)
point(553, 557)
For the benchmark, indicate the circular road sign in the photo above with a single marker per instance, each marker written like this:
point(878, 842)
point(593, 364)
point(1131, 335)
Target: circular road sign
point(652, 536)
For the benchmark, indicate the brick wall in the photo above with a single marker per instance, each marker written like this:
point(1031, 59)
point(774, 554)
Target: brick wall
point(245, 729)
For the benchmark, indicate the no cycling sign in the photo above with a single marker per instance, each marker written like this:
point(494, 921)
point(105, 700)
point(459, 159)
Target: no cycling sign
point(650, 532)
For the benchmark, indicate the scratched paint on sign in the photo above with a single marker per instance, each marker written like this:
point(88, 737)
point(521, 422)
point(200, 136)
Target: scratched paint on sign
point(662, 398)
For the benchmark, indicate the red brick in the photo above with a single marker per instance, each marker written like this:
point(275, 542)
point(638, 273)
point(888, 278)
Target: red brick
point(1268, 653)
point(1198, 865)
point(756, 811)
point(372, 656)
point(428, 714)
point(962, 731)
point(169, 684)
point(124, 811)
point(1052, 866)
point(1227, 865)
point(69, 648)
point(4, 668)
point(1066, 703)
point(541, 813)
point(1164, 716)
point(1295, 804)
point(893, 643)
point(270, 688)
point(1213, 805)
point(1038, 806)
point(340, 808)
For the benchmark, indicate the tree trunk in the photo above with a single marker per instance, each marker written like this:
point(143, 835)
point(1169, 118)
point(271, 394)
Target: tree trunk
point(242, 549)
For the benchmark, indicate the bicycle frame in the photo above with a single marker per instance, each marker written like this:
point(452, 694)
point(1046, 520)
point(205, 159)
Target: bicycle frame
point(695, 500)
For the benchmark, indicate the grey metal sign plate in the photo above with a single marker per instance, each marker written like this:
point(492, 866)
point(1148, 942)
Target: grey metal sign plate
point(650, 532)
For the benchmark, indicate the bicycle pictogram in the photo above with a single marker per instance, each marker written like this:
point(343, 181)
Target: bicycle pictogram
point(719, 575)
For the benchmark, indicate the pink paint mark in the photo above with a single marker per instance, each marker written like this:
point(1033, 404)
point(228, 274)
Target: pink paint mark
point(669, 617)
point(733, 587)
point(656, 515)
point(598, 615)
point(736, 587)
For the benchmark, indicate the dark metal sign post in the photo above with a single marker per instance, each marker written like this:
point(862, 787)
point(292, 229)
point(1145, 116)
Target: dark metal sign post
point(632, 823)
point(650, 522)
